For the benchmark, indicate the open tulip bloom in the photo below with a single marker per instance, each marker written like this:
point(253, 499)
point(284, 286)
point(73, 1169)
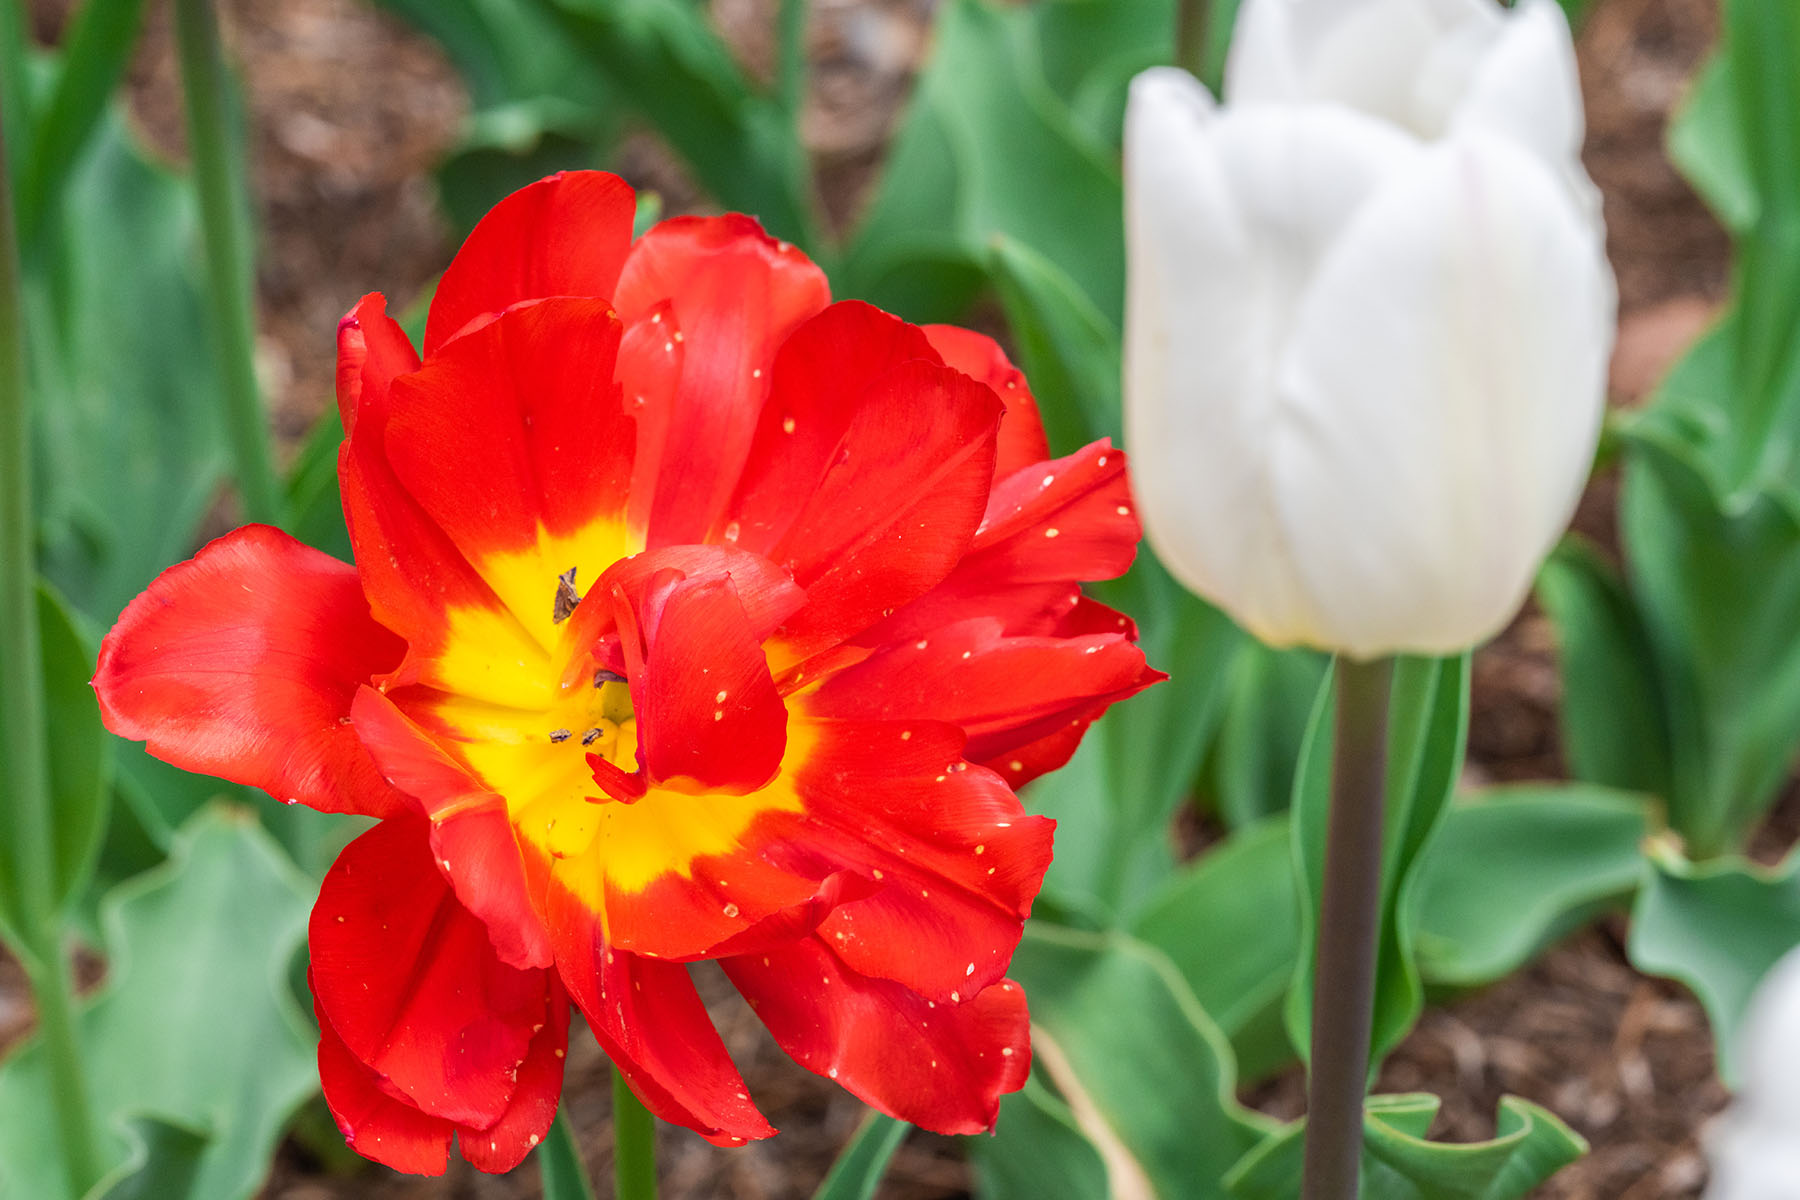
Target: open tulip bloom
point(693, 617)
point(1369, 317)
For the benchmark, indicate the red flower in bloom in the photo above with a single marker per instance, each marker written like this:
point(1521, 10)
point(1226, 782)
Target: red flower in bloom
point(693, 617)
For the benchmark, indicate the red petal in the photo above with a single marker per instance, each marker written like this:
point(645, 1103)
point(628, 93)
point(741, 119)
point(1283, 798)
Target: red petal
point(1004, 691)
point(567, 235)
point(241, 663)
point(1022, 440)
point(649, 1020)
point(736, 294)
point(958, 858)
point(517, 429)
point(651, 356)
point(942, 1067)
point(409, 980)
point(1046, 528)
point(372, 352)
point(895, 512)
point(708, 716)
point(819, 379)
point(374, 1123)
point(471, 837)
point(533, 1107)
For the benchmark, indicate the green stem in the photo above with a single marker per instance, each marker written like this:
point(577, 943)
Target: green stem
point(1192, 19)
point(217, 175)
point(1349, 924)
point(25, 783)
point(634, 1145)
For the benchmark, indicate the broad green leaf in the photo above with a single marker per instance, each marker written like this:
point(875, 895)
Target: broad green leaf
point(79, 746)
point(1717, 927)
point(1230, 923)
point(1428, 720)
point(669, 66)
point(314, 510)
point(1068, 351)
point(1040, 1151)
point(987, 148)
point(95, 51)
point(1516, 867)
point(128, 436)
point(1530, 1145)
point(1250, 765)
point(1142, 1071)
point(1719, 596)
point(1706, 142)
point(503, 149)
point(510, 50)
point(1615, 730)
point(858, 1170)
point(196, 1024)
point(1088, 51)
point(163, 1162)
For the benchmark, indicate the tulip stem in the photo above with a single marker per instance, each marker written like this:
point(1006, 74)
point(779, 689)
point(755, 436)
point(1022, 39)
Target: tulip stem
point(634, 1145)
point(1349, 923)
point(25, 801)
point(218, 177)
point(1193, 21)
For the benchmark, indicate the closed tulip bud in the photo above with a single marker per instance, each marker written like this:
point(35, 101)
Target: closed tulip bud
point(1755, 1149)
point(1368, 319)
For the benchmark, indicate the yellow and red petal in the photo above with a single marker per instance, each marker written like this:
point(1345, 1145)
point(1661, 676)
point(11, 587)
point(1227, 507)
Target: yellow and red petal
point(566, 235)
point(408, 979)
point(241, 663)
point(735, 294)
point(529, 396)
point(373, 351)
point(471, 837)
point(651, 1023)
point(1022, 439)
point(943, 1067)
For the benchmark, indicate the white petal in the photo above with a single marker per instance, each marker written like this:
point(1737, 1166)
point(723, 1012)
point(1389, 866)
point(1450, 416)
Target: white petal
point(1755, 1148)
point(1386, 58)
point(1526, 85)
point(1441, 400)
point(1228, 216)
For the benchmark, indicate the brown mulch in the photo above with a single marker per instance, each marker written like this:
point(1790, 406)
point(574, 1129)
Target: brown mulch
point(350, 111)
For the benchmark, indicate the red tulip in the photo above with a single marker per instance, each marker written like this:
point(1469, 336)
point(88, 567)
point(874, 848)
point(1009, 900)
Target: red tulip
point(693, 617)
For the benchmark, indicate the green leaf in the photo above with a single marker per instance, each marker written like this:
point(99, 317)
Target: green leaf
point(1614, 725)
point(668, 64)
point(127, 401)
point(313, 508)
point(1516, 867)
point(1269, 697)
point(1069, 352)
point(1041, 1151)
point(504, 148)
point(1530, 1146)
point(1717, 927)
point(559, 1164)
point(1719, 596)
point(858, 1170)
point(163, 1163)
point(196, 1024)
point(1428, 720)
point(1706, 143)
point(1230, 924)
point(1141, 1071)
point(987, 148)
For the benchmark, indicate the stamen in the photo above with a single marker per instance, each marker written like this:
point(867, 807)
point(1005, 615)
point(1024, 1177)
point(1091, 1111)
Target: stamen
point(590, 737)
point(602, 677)
point(559, 735)
point(566, 597)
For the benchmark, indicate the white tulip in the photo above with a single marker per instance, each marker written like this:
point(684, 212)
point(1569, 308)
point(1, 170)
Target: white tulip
point(1755, 1148)
point(1368, 318)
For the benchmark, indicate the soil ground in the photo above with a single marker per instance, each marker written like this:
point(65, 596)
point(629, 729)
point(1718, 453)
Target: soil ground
point(350, 111)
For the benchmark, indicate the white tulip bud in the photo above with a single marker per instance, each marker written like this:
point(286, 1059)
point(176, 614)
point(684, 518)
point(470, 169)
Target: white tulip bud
point(1368, 318)
point(1755, 1148)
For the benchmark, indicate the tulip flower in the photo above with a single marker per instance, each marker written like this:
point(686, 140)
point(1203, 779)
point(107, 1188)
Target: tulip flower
point(1755, 1148)
point(1368, 318)
point(693, 617)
